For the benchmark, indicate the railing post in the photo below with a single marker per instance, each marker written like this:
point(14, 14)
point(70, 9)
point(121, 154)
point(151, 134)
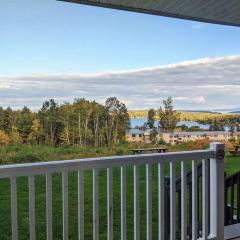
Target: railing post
point(217, 191)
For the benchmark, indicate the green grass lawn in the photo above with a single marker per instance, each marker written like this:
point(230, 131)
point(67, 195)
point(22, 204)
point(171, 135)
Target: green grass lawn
point(232, 165)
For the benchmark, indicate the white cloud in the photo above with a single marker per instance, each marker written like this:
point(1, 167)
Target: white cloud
point(206, 83)
point(200, 99)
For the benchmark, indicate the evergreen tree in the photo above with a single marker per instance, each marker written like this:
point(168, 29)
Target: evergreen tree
point(24, 123)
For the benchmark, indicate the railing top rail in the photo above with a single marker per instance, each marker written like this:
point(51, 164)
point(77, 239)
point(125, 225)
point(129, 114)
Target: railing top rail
point(28, 169)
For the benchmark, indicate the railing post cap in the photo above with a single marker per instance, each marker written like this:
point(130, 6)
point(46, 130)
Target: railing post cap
point(217, 145)
point(218, 149)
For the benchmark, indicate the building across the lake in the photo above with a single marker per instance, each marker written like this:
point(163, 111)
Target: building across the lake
point(136, 135)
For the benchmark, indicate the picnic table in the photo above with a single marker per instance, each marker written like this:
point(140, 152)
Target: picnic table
point(235, 151)
point(141, 150)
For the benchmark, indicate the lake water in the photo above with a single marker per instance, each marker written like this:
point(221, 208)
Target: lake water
point(140, 122)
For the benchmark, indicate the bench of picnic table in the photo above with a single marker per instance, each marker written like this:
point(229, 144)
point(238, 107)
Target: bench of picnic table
point(141, 150)
point(235, 151)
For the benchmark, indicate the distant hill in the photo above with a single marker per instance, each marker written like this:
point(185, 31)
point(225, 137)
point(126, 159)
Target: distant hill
point(231, 110)
point(200, 111)
point(235, 112)
point(185, 115)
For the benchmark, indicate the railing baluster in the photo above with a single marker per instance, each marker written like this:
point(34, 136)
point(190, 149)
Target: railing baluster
point(95, 205)
point(232, 202)
point(32, 215)
point(238, 198)
point(136, 203)
point(110, 203)
point(80, 205)
point(161, 201)
point(65, 204)
point(194, 200)
point(205, 203)
point(179, 215)
point(49, 205)
point(123, 204)
point(183, 202)
point(149, 201)
point(14, 221)
point(172, 200)
point(226, 209)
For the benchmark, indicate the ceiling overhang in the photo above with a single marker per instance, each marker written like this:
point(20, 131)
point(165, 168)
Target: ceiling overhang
point(226, 12)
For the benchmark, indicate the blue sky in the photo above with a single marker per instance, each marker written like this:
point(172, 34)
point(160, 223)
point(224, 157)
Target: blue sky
point(51, 37)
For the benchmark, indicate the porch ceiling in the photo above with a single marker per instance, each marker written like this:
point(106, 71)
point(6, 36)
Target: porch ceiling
point(225, 12)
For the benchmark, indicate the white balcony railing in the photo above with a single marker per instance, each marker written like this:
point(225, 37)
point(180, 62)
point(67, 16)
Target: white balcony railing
point(210, 230)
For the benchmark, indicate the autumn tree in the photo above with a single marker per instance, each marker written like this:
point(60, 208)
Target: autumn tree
point(87, 112)
point(24, 123)
point(66, 114)
point(168, 118)
point(216, 126)
point(7, 119)
point(117, 121)
point(77, 106)
point(4, 138)
point(49, 117)
point(96, 116)
point(36, 133)
point(15, 136)
point(151, 118)
point(64, 136)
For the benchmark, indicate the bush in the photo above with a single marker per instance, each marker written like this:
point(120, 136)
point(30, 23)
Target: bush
point(161, 142)
point(119, 151)
point(25, 158)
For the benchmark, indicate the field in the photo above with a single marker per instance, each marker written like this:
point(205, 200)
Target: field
point(12, 153)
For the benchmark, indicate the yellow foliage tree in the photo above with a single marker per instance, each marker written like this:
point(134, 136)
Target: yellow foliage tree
point(64, 136)
point(36, 132)
point(15, 136)
point(4, 138)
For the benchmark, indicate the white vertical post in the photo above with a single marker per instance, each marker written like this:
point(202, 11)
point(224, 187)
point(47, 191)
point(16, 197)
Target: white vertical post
point(136, 203)
point(80, 205)
point(172, 200)
point(49, 206)
point(183, 202)
point(194, 201)
point(14, 221)
point(160, 201)
point(217, 191)
point(110, 203)
point(205, 206)
point(149, 201)
point(32, 214)
point(65, 204)
point(95, 205)
point(123, 204)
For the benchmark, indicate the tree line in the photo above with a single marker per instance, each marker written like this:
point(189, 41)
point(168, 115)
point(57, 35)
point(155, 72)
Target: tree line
point(83, 123)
